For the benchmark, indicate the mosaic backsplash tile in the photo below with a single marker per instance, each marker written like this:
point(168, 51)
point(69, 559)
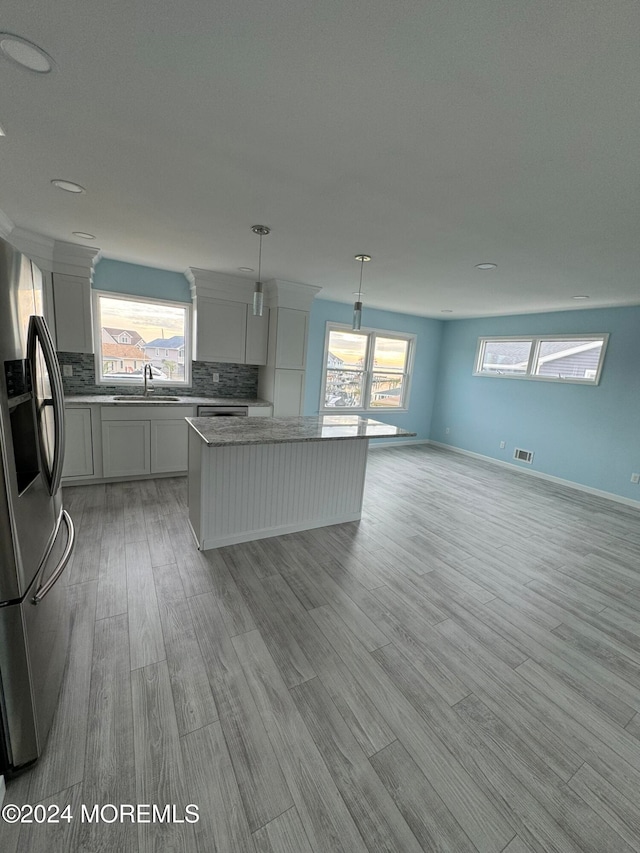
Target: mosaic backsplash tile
point(236, 380)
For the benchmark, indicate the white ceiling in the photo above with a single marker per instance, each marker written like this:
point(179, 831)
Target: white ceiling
point(432, 135)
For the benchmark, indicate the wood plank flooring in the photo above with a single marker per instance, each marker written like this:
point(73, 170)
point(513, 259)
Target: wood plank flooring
point(458, 672)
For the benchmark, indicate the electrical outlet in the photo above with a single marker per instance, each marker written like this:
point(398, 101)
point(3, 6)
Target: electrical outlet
point(503, 444)
point(67, 370)
point(447, 431)
point(215, 377)
point(635, 478)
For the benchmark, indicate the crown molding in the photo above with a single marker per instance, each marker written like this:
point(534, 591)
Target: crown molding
point(35, 246)
point(290, 294)
point(6, 225)
point(218, 285)
point(72, 259)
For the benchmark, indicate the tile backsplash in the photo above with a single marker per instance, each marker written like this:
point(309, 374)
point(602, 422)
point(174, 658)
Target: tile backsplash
point(236, 380)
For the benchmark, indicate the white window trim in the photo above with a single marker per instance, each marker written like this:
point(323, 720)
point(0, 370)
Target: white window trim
point(97, 337)
point(367, 371)
point(536, 340)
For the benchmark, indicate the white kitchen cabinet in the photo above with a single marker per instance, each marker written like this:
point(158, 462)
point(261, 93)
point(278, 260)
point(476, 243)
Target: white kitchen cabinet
point(257, 337)
point(221, 330)
point(227, 331)
point(72, 306)
point(138, 440)
point(169, 446)
point(291, 338)
point(126, 448)
point(78, 451)
point(288, 395)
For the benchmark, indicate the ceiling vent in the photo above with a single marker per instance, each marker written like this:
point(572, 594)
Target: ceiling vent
point(523, 455)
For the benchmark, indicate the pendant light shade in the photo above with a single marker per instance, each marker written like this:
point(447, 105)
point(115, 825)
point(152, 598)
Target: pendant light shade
point(258, 295)
point(357, 305)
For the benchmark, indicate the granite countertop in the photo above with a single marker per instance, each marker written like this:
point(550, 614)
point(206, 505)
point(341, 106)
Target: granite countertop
point(220, 432)
point(110, 400)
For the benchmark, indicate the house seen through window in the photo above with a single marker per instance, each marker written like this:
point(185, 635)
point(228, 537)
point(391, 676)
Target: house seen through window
point(365, 370)
point(131, 333)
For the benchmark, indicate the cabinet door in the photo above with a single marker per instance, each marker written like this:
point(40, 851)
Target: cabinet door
point(221, 330)
point(291, 345)
point(288, 396)
point(72, 304)
point(169, 446)
point(78, 447)
point(257, 337)
point(125, 448)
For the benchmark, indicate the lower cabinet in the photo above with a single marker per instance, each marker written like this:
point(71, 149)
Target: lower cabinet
point(169, 446)
point(126, 448)
point(78, 444)
point(151, 440)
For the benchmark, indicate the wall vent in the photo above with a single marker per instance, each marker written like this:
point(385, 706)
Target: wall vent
point(523, 455)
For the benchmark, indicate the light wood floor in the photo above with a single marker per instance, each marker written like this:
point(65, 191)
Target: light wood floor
point(460, 671)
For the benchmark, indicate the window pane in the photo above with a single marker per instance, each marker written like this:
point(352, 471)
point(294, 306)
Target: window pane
point(149, 329)
point(343, 389)
point(390, 354)
point(346, 351)
point(505, 357)
point(386, 390)
point(569, 359)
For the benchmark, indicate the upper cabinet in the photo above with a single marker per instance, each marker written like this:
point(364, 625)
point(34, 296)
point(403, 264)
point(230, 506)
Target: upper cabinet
point(72, 308)
point(290, 328)
point(226, 329)
point(228, 332)
point(72, 271)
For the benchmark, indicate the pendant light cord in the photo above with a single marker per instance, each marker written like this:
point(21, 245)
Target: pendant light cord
point(260, 260)
point(360, 287)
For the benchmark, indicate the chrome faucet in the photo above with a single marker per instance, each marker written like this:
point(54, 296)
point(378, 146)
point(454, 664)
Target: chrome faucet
point(148, 377)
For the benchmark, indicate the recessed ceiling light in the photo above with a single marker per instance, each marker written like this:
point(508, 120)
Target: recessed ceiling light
point(67, 186)
point(579, 297)
point(84, 235)
point(25, 53)
point(446, 311)
point(486, 266)
point(246, 269)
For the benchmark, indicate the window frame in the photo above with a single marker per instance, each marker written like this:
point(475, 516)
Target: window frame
point(534, 354)
point(137, 380)
point(368, 371)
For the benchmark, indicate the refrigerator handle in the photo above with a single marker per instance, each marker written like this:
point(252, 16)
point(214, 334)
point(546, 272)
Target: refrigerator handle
point(39, 329)
point(42, 591)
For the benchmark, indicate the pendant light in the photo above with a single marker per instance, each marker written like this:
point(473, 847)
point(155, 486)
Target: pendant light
point(357, 305)
point(258, 295)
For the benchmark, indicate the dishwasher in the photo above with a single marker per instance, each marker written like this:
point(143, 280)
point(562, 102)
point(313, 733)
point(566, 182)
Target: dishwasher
point(223, 411)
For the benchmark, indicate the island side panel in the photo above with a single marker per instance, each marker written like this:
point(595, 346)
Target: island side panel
point(195, 484)
point(258, 491)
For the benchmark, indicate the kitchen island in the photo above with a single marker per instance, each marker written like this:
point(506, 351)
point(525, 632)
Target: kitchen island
point(252, 478)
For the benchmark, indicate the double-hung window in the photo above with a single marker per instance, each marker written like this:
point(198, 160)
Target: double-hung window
point(367, 370)
point(556, 358)
point(132, 334)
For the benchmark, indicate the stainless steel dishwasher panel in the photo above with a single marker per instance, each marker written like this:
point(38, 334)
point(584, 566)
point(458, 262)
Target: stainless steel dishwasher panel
point(223, 411)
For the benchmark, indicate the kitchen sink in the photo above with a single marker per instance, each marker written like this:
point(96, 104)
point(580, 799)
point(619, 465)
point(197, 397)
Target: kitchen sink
point(140, 398)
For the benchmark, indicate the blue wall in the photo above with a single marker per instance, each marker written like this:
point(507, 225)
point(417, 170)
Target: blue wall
point(423, 384)
point(136, 280)
point(586, 434)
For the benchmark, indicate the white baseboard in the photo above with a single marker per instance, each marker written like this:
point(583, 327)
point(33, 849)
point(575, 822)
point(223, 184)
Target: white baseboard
point(571, 484)
point(267, 533)
point(397, 443)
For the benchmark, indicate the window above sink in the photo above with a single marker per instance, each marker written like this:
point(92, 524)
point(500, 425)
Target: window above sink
point(132, 332)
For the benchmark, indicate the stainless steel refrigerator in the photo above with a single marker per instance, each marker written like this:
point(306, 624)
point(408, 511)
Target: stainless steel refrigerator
point(36, 533)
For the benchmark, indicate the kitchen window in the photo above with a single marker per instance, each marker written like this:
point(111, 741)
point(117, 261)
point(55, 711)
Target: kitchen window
point(367, 370)
point(550, 358)
point(151, 327)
